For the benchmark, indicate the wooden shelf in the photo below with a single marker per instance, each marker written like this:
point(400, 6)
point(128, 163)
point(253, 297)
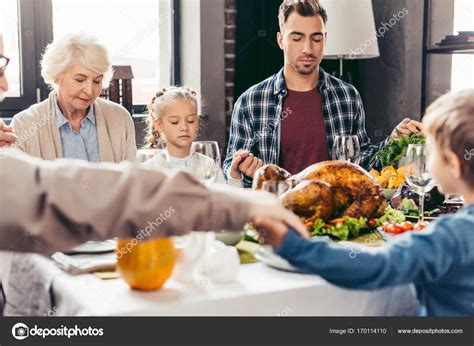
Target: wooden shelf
point(467, 48)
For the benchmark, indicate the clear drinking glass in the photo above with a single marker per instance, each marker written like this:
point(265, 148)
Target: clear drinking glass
point(417, 174)
point(144, 155)
point(206, 170)
point(277, 188)
point(346, 148)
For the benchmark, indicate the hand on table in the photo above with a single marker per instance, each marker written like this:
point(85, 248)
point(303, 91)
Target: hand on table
point(406, 128)
point(7, 137)
point(244, 162)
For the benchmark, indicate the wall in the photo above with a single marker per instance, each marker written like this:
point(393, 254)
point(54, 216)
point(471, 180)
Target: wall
point(202, 62)
point(213, 69)
point(391, 84)
point(229, 51)
point(439, 66)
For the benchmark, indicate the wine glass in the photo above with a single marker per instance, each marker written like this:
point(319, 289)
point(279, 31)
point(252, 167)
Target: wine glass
point(206, 170)
point(145, 155)
point(346, 148)
point(277, 188)
point(417, 175)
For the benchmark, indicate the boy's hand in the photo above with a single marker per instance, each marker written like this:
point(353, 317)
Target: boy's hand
point(244, 162)
point(272, 222)
point(406, 128)
point(272, 231)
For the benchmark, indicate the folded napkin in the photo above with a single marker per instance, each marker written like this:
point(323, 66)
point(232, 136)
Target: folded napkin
point(198, 254)
point(82, 264)
point(28, 289)
point(221, 262)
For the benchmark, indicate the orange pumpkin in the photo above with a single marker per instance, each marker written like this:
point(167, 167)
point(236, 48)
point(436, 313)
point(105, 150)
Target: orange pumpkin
point(146, 265)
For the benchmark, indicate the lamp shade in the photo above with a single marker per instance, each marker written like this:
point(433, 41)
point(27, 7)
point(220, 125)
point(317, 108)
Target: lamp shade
point(351, 30)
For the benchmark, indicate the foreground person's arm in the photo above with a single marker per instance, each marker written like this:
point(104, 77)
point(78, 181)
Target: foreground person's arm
point(49, 206)
point(420, 258)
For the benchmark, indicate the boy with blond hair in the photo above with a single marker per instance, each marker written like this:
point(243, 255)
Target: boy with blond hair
point(438, 260)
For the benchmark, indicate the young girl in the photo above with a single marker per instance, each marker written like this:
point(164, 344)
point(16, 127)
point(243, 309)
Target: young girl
point(173, 120)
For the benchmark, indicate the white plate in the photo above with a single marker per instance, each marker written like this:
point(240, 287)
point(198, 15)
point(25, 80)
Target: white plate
point(94, 247)
point(229, 238)
point(266, 255)
point(386, 236)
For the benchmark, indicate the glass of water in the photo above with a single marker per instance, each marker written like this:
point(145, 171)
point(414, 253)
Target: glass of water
point(417, 174)
point(153, 158)
point(206, 170)
point(346, 148)
point(277, 188)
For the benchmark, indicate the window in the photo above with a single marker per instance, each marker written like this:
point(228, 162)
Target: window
point(462, 76)
point(21, 36)
point(136, 32)
point(9, 20)
point(131, 32)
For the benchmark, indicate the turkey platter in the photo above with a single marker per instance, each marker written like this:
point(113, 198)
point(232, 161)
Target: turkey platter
point(327, 191)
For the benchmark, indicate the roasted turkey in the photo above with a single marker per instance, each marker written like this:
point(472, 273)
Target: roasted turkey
point(310, 199)
point(329, 190)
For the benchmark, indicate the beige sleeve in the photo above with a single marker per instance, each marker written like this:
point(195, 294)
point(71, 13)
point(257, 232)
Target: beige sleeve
point(18, 129)
point(235, 182)
point(131, 144)
point(51, 206)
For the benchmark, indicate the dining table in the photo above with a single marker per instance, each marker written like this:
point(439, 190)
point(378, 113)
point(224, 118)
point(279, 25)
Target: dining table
point(34, 285)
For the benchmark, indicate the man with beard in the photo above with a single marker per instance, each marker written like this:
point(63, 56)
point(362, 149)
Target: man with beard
point(292, 118)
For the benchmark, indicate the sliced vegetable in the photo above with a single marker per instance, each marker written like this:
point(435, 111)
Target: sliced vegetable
point(406, 226)
point(399, 228)
point(341, 228)
point(420, 226)
point(393, 228)
point(336, 221)
point(373, 223)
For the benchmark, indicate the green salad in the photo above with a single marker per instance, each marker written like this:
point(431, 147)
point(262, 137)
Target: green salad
point(343, 229)
point(394, 150)
point(346, 228)
point(390, 215)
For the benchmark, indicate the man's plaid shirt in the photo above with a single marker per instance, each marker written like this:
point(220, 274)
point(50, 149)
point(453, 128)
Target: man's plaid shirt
point(259, 112)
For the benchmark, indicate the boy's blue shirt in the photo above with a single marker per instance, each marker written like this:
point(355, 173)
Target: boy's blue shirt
point(438, 260)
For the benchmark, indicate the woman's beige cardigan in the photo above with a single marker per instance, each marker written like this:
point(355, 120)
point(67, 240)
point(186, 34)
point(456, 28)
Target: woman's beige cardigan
point(39, 136)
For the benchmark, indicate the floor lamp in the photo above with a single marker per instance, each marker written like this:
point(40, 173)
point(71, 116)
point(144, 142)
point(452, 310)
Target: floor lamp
point(351, 31)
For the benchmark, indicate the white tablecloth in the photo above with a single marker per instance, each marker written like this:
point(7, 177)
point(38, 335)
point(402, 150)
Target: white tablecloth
point(259, 291)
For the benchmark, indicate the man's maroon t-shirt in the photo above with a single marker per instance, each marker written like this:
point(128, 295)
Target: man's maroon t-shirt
point(303, 133)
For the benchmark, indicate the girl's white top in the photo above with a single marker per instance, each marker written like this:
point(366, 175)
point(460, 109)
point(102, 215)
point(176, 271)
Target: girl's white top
point(190, 163)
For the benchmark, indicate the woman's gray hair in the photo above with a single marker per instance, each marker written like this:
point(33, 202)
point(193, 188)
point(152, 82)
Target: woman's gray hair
point(75, 48)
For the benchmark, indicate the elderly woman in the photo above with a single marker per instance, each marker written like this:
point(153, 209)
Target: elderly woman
point(73, 122)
